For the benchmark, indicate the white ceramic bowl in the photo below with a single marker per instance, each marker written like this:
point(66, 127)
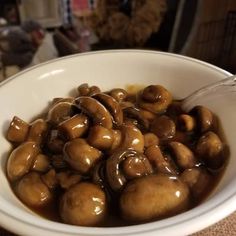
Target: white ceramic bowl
point(29, 92)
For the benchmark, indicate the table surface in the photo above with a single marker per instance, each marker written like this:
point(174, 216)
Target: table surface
point(226, 227)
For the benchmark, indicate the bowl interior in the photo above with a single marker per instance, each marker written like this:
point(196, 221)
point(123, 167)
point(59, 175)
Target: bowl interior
point(28, 93)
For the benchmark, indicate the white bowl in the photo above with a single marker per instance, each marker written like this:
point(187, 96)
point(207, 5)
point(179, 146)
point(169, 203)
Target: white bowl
point(29, 92)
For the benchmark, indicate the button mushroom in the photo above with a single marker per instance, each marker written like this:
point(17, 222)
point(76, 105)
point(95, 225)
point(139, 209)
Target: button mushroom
point(100, 137)
point(116, 177)
point(163, 127)
point(85, 90)
point(33, 191)
point(186, 123)
point(67, 179)
point(18, 130)
point(210, 149)
point(155, 98)
point(50, 179)
point(74, 127)
point(80, 155)
point(41, 163)
point(183, 155)
point(150, 139)
point(118, 94)
point(112, 106)
point(21, 160)
point(152, 197)
point(99, 114)
point(83, 204)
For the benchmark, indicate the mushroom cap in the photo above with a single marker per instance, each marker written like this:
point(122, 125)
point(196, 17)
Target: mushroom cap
point(93, 108)
point(21, 160)
point(153, 197)
point(118, 94)
point(83, 204)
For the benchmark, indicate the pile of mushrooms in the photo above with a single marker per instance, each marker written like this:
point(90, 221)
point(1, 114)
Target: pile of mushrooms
point(100, 150)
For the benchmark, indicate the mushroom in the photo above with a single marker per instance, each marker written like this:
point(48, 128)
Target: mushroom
point(163, 127)
point(153, 197)
point(55, 143)
point(61, 111)
point(150, 139)
point(148, 115)
point(204, 118)
point(186, 123)
point(37, 131)
point(83, 204)
point(18, 130)
point(21, 160)
point(158, 161)
point(211, 150)
point(57, 100)
point(96, 111)
point(41, 163)
point(85, 90)
point(118, 94)
point(198, 181)
point(67, 179)
point(132, 137)
point(50, 179)
point(74, 127)
point(155, 98)
point(112, 106)
point(116, 134)
point(33, 191)
point(100, 137)
point(183, 155)
point(80, 155)
point(115, 177)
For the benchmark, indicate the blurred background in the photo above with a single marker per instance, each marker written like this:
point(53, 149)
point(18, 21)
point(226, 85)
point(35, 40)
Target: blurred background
point(32, 32)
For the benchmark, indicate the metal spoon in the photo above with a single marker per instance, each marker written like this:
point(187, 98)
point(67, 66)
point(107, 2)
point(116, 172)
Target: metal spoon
point(218, 88)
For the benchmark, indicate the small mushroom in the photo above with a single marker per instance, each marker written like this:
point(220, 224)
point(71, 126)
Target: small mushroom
point(100, 137)
point(186, 123)
point(163, 127)
point(67, 179)
point(18, 130)
point(155, 98)
point(118, 94)
point(112, 106)
point(55, 143)
point(158, 161)
point(83, 204)
point(154, 196)
point(150, 139)
point(61, 111)
point(74, 127)
point(198, 181)
point(37, 131)
point(50, 179)
point(132, 138)
point(57, 100)
point(204, 118)
point(85, 90)
point(183, 155)
point(33, 191)
point(99, 114)
point(115, 176)
point(80, 155)
point(148, 115)
point(21, 160)
point(116, 134)
point(210, 149)
point(41, 163)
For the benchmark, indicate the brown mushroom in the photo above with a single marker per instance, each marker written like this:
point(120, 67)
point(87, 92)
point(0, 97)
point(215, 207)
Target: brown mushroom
point(183, 155)
point(85, 90)
point(33, 191)
point(80, 155)
point(153, 197)
point(41, 163)
point(116, 134)
point(50, 179)
point(204, 118)
point(186, 123)
point(61, 111)
point(74, 127)
point(155, 98)
point(118, 94)
point(21, 160)
point(83, 204)
point(210, 149)
point(150, 139)
point(164, 127)
point(67, 179)
point(37, 131)
point(112, 106)
point(55, 143)
point(18, 130)
point(99, 114)
point(158, 161)
point(115, 176)
point(100, 137)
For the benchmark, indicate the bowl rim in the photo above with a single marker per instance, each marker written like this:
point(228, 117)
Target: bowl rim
point(209, 213)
